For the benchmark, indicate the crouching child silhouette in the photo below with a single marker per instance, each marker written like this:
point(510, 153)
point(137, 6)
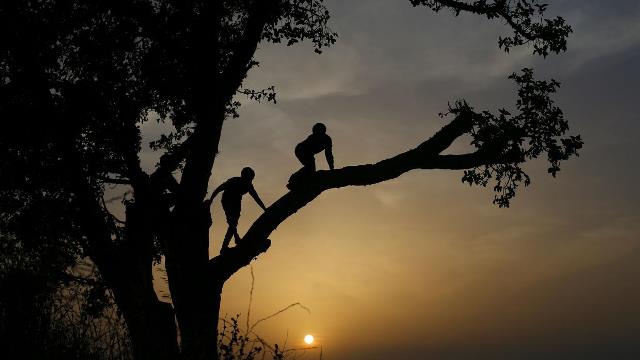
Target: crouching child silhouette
point(306, 151)
point(232, 192)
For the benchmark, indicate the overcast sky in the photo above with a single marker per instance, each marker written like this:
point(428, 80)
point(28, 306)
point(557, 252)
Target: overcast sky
point(424, 266)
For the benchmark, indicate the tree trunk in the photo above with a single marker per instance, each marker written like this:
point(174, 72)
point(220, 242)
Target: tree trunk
point(195, 293)
point(150, 322)
point(128, 272)
point(197, 309)
point(152, 329)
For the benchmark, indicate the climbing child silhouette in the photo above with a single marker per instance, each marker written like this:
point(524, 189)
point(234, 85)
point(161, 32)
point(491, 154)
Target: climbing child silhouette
point(306, 151)
point(232, 192)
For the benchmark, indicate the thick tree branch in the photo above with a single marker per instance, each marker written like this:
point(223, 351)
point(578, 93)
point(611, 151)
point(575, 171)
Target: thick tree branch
point(260, 13)
point(424, 156)
point(203, 143)
point(100, 247)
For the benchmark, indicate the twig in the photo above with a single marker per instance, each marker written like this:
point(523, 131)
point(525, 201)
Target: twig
point(280, 312)
point(253, 279)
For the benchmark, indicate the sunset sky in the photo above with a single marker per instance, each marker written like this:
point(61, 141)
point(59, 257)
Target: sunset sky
point(424, 266)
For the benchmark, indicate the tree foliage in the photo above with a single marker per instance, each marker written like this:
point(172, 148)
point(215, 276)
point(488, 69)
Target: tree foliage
point(79, 78)
point(526, 18)
point(537, 129)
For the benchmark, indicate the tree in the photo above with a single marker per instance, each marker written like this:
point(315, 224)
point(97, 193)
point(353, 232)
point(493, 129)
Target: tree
point(77, 78)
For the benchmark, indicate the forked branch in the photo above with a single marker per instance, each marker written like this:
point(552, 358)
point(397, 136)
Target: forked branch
point(503, 142)
point(424, 156)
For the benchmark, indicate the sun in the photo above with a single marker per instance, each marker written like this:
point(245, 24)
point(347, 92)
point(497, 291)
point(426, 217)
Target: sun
point(308, 339)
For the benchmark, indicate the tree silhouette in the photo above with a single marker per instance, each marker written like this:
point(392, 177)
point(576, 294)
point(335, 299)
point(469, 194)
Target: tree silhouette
point(77, 78)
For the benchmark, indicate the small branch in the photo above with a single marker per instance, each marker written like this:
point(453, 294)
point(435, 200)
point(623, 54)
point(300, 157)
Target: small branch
point(546, 34)
point(118, 197)
point(109, 180)
point(278, 313)
point(81, 280)
point(113, 217)
point(497, 9)
point(253, 280)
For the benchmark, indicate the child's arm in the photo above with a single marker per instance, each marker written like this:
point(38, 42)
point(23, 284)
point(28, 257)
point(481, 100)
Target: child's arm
point(328, 153)
point(215, 192)
point(255, 196)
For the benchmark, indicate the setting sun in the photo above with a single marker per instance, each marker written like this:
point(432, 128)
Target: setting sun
point(308, 339)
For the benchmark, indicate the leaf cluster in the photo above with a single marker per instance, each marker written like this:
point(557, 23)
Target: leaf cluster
point(233, 345)
point(537, 128)
point(301, 20)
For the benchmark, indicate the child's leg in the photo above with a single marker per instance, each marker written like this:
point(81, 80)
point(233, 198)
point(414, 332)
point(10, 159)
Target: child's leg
point(232, 211)
point(307, 160)
point(227, 237)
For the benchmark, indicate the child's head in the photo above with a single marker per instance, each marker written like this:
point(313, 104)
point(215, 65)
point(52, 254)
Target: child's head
point(319, 128)
point(248, 174)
